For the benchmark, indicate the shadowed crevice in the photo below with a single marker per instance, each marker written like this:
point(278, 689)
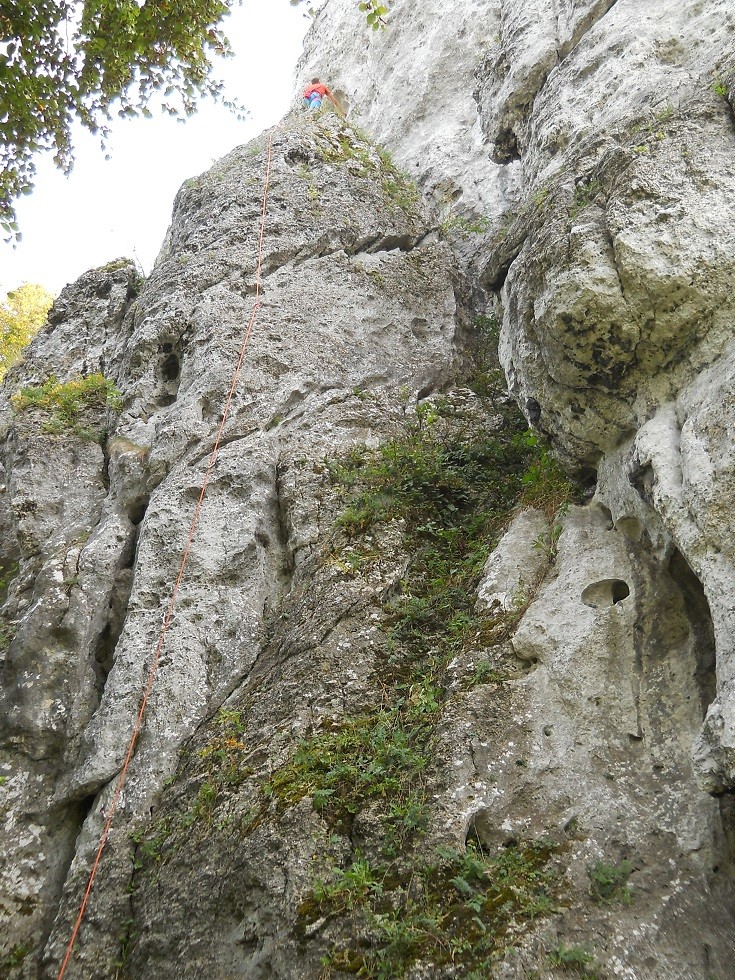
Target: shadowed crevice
point(703, 633)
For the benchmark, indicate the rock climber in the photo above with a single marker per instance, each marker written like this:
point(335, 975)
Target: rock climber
point(314, 93)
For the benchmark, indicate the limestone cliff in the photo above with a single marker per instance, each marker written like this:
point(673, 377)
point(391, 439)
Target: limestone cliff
point(361, 756)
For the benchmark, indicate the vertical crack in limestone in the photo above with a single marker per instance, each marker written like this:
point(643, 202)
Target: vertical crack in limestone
point(116, 611)
point(593, 17)
point(530, 49)
point(285, 557)
point(702, 627)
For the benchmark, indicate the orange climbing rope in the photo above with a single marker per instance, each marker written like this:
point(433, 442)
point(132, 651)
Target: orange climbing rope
point(184, 559)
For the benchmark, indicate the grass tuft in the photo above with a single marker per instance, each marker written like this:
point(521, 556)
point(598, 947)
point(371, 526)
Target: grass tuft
point(64, 403)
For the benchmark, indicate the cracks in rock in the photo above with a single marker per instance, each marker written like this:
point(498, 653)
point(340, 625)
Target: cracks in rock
point(494, 279)
point(371, 245)
point(516, 110)
point(638, 649)
point(225, 441)
point(610, 241)
point(389, 243)
point(701, 626)
point(282, 652)
point(594, 16)
point(473, 756)
point(285, 560)
point(290, 411)
point(280, 261)
point(104, 653)
point(68, 823)
point(103, 656)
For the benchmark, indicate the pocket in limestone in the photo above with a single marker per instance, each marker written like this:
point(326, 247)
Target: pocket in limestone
point(606, 592)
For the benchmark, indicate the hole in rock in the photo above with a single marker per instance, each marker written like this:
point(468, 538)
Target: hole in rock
point(605, 593)
point(136, 510)
point(620, 591)
point(168, 374)
point(170, 368)
point(533, 410)
point(296, 157)
point(472, 836)
point(506, 148)
point(483, 832)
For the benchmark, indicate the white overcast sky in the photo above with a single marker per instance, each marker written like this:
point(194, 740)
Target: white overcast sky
point(122, 206)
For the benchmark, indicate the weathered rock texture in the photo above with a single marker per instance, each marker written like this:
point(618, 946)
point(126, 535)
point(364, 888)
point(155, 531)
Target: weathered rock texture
point(357, 303)
point(612, 253)
point(578, 163)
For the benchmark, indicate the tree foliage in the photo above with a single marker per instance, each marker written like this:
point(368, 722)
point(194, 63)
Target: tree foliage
point(62, 60)
point(22, 314)
point(376, 11)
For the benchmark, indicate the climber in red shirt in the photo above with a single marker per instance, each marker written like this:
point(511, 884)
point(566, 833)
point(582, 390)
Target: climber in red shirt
point(314, 94)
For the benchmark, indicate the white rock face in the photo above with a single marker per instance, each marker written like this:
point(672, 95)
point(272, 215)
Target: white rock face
point(357, 304)
point(680, 464)
point(580, 160)
point(413, 86)
point(600, 730)
point(608, 224)
point(513, 571)
point(601, 156)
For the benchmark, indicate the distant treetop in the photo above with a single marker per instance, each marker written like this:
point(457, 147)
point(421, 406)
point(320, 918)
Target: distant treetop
point(22, 314)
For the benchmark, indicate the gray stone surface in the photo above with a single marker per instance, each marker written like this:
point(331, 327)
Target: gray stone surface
point(605, 226)
point(592, 748)
point(578, 165)
point(513, 571)
point(357, 303)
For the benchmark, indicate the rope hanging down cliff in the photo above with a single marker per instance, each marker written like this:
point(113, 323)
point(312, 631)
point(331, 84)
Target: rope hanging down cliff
point(182, 567)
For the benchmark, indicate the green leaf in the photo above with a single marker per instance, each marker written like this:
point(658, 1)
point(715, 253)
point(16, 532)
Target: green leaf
point(462, 886)
point(122, 52)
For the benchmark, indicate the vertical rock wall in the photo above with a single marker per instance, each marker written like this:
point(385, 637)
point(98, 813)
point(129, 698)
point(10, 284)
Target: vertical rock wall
point(591, 194)
point(578, 159)
point(614, 260)
point(357, 303)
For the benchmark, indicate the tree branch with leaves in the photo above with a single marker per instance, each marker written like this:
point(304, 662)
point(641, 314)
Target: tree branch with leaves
point(376, 11)
point(90, 60)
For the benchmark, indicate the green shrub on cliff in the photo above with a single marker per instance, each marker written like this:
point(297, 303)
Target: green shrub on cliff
point(64, 403)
